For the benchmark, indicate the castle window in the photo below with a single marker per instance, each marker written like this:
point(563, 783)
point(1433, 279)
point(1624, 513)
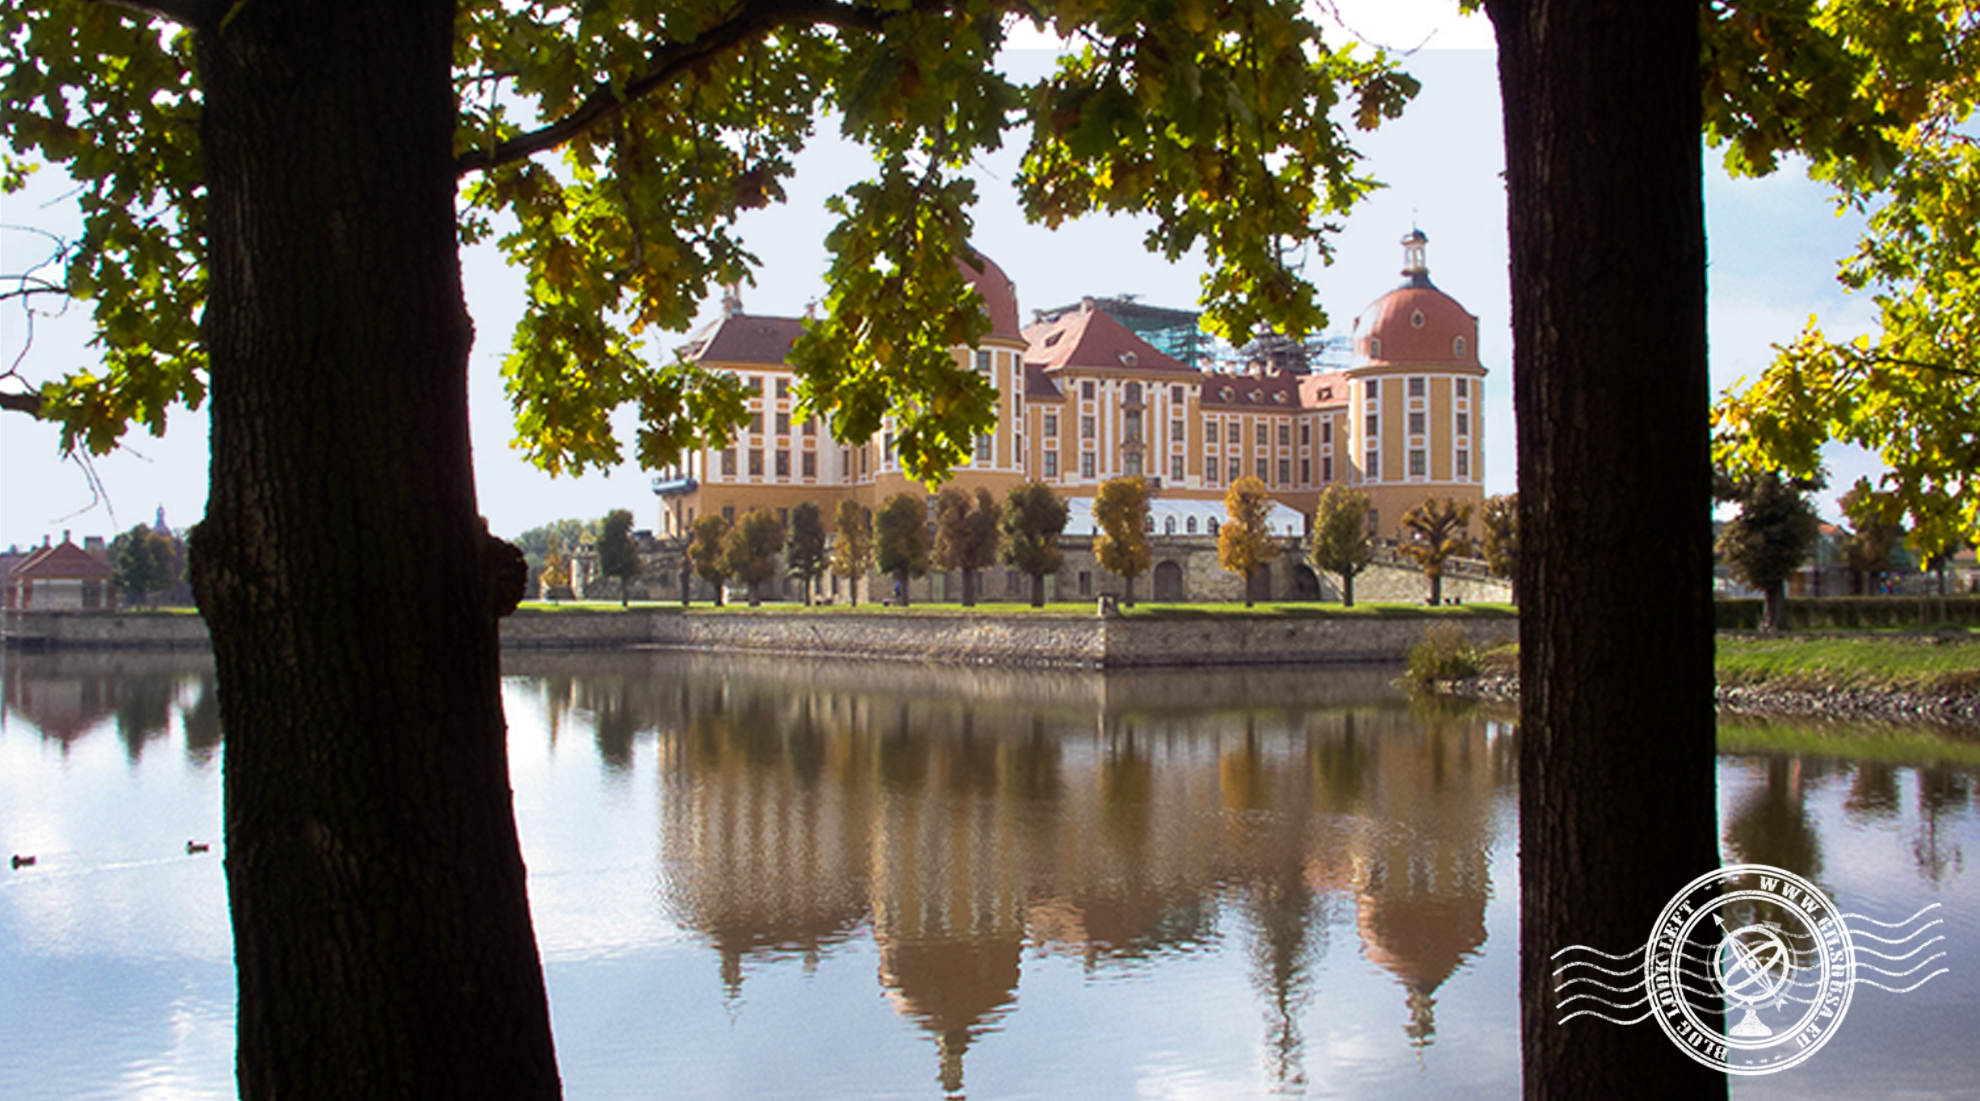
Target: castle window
point(1374, 352)
point(983, 454)
point(1237, 468)
point(729, 462)
point(1416, 319)
point(1086, 464)
point(1176, 467)
point(1168, 525)
point(1051, 426)
point(1285, 471)
point(1086, 389)
point(1086, 427)
point(1416, 464)
point(1463, 463)
point(1464, 424)
point(783, 424)
point(1261, 469)
point(1416, 387)
point(1463, 384)
point(1326, 431)
point(1210, 431)
point(1374, 424)
point(783, 463)
point(1285, 435)
point(783, 387)
point(1416, 424)
point(1051, 464)
point(1176, 394)
point(1457, 348)
point(1327, 469)
point(1372, 469)
point(983, 362)
point(1189, 525)
point(810, 464)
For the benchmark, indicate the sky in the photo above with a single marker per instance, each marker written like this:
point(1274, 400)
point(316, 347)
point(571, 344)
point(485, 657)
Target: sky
point(1773, 243)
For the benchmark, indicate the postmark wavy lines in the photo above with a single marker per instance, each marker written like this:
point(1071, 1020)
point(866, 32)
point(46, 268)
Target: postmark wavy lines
point(1563, 981)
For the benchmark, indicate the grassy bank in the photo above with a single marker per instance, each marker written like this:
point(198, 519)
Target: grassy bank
point(1878, 662)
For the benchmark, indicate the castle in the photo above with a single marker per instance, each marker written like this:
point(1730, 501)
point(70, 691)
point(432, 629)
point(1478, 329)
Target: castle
point(1082, 399)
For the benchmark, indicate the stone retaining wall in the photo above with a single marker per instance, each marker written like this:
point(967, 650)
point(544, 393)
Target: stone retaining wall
point(1060, 641)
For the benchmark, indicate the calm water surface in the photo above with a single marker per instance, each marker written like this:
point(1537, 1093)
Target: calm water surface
point(760, 879)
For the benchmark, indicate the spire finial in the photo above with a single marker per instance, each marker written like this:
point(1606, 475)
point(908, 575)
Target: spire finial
point(1416, 267)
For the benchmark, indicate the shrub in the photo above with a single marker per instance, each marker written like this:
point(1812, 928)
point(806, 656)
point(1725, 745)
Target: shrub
point(1444, 654)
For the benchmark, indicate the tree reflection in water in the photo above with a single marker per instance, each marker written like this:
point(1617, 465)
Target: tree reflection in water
point(964, 817)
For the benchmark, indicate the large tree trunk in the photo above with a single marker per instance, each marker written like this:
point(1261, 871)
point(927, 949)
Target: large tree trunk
point(1616, 715)
point(1773, 599)
point(382, 932)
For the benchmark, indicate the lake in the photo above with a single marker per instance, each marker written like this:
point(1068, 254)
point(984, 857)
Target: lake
point(801, 879)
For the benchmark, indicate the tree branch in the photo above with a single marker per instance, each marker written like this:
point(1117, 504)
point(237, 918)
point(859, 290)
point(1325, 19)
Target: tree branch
point(202, 15)
point(29, 403)
point(666, 62)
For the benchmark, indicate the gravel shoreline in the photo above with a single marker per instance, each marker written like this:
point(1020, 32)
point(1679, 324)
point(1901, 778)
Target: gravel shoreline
point(1846, 704)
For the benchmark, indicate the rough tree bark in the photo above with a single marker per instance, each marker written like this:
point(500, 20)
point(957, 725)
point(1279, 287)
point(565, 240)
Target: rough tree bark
point(1617, 812)
point(381, 927)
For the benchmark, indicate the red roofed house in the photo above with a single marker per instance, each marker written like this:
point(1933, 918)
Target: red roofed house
point(62, 577)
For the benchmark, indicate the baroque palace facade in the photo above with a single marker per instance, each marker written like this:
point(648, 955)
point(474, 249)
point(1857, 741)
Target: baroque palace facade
point(1081, 399)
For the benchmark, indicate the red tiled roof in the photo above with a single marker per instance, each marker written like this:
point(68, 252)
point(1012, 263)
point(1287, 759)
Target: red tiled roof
point(1417, 324)
point(1265, 392)
point(64, 561)
point(743, 338)
point(1089, 338)
point(999, 297)
point(1038, 386)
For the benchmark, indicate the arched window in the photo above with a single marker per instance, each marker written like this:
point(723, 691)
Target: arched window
point(1213, 525)
point(1189, 524)
point(1168, 525)
point(1457, 347)
point(1374, 347)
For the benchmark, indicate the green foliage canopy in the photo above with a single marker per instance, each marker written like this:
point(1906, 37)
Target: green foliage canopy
point(804, 545)
point(609, 147)
point(749, 550)
point(142, 563)
point(617, 556)
point(1879, 95)
point(1032, 519)
point(852, 543)
point(1341, 544)
point(900, 538)
point(705, 550)
point(965, 534)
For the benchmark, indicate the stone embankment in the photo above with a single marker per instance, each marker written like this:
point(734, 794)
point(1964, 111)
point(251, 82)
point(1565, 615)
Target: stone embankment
point(1844, 704)
point(1043, 640)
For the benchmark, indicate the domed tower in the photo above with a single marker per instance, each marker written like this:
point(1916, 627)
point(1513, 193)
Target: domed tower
point(1415, 426)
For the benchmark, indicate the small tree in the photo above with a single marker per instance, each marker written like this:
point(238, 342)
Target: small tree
point(1500, 518)
point(749, 551)
point(900, 540)
point(1436, 535)
point(965, 535)
point(1244, 543)
point(804, 546)
point(852, 545)
point(1121, 507)
point(554, 580)
point(706, 551)
point(1867, 550)
point(1340, 536)
point(1770, 538)
point(141, 561)
point(618, 557)
point(1032, 520)
point(535, 544)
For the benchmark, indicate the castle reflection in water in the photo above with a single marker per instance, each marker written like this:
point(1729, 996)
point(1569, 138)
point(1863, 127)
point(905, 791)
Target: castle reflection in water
point(963, 818)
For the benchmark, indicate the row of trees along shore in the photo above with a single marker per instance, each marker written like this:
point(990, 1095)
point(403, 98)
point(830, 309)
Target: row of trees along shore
point(274, 197)
point(956, 530)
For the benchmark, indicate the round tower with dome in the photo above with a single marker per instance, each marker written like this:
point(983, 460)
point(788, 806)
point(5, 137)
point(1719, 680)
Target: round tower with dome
point(1415, 421)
